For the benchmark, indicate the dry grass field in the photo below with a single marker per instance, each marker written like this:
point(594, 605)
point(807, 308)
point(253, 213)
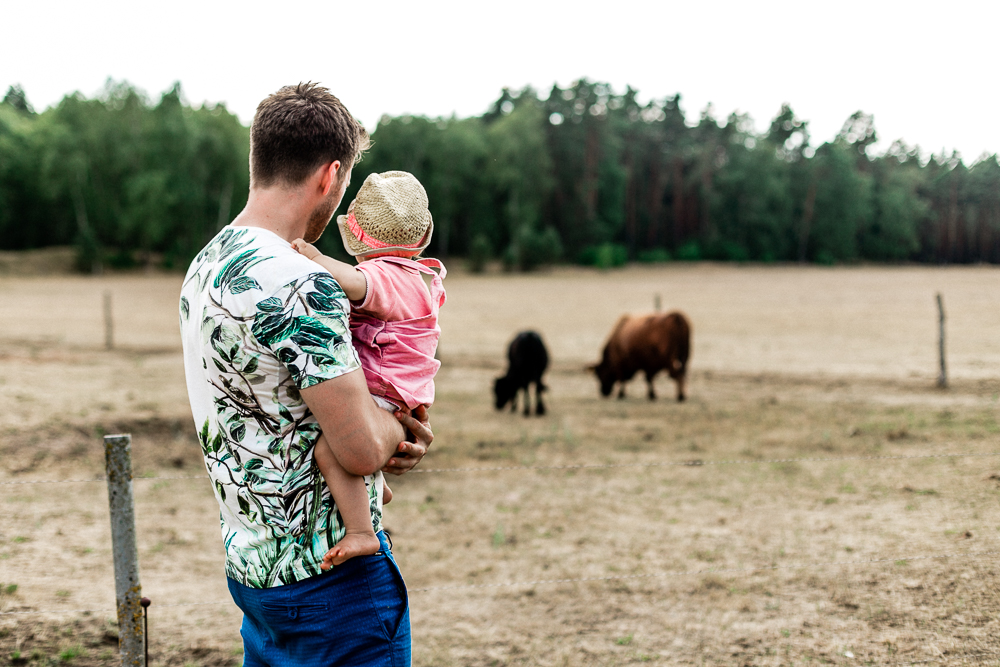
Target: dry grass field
point(762, 562)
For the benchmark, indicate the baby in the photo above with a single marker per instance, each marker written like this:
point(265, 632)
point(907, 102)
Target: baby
point(393, 325)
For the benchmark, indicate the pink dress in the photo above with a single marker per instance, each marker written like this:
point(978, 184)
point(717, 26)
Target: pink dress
point(395, 329)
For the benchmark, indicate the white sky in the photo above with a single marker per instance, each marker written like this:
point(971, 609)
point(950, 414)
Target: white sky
point(928, 71)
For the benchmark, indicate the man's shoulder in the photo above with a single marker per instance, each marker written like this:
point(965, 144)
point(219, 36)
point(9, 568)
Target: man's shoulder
point(250, 261)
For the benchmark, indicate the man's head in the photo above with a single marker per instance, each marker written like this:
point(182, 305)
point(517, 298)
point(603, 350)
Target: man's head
point(297, 131)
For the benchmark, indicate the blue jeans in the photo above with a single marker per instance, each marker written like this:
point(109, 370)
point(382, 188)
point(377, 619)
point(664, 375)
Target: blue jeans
point(356, 614)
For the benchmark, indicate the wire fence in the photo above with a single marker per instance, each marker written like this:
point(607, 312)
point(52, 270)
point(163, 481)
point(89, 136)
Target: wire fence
point(860, 562)
point(691, 463)
point(654, 575)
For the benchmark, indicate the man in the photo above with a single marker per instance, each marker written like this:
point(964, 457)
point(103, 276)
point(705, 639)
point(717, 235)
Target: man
point(269, 365)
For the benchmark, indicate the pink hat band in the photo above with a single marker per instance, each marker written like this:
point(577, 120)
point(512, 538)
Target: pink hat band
point(371, 241)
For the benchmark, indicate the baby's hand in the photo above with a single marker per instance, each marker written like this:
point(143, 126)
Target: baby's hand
point(307, 249)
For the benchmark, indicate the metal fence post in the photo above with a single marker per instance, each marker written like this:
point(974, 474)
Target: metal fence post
point(118, 464)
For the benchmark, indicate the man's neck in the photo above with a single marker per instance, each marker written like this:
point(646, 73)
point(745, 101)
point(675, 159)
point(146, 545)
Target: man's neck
point(278, 209)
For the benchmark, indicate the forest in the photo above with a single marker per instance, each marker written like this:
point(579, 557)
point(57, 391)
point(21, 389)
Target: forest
point(583, 174)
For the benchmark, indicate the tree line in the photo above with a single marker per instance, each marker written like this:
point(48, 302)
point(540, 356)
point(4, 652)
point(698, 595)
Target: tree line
point(584, 175)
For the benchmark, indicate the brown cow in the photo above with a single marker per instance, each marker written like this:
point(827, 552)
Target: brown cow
point(647, 343)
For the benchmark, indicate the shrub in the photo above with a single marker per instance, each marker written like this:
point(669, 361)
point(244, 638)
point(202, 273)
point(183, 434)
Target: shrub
point(654, 256)
point(689, 252)
point(480, 252)
point(531, 249)
point(604, 256)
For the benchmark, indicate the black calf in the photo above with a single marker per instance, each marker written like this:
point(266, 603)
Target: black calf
point(528, 361)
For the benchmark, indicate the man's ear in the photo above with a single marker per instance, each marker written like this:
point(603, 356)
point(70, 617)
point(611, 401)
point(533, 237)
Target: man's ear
point(328, 176)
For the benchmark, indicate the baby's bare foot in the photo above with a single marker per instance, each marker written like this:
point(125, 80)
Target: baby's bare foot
point(352, 544)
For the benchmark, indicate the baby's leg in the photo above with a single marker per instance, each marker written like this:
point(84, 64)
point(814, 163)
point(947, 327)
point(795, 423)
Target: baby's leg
point(352, 501)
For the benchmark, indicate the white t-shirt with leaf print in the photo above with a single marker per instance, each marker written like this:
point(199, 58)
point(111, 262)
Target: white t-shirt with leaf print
point(259, 322)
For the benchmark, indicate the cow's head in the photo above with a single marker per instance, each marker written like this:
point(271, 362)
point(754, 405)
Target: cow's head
point(605, 375)
point(504, 390)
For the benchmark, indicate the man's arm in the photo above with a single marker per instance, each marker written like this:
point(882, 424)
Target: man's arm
point(363, 436)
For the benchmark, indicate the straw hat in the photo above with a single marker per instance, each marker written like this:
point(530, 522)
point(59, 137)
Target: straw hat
point(389, 214)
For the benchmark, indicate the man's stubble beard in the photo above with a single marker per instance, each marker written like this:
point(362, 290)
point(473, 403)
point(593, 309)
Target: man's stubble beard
point(320, 218)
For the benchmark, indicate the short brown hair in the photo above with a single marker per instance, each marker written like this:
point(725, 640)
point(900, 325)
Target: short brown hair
point(299, 128)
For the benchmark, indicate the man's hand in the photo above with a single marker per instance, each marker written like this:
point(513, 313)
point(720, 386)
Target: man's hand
point(408, 454)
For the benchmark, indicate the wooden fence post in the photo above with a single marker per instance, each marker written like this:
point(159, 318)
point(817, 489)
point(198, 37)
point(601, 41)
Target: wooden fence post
point(109, 323)
point(942, 380)
point(128, 591)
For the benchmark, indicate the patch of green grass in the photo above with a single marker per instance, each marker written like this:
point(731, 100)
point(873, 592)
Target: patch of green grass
point(68, 654)
point(499, 537)
point(63, 594)
point(624, 641)
point(829, 501)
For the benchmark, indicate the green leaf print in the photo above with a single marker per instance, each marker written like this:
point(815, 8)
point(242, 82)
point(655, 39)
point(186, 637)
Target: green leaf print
point(236, 267)
point(238, 431)
point(251, 365)
point(185, 308)
point(272, 329)
point(313, 333)
point(221, 490)
point(286, 557)
point(254, 464)
point(276, 446)
point(270, 305)
point(244, 505)
point(218, 365)
point(243, 284)
point(228, 243)
point(326, 285)
point(203, 434)
point(322, 303)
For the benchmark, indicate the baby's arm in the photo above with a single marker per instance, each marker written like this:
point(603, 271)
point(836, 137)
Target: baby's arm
point(353, 281)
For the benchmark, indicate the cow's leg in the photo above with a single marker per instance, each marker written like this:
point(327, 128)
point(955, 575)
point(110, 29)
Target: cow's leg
point(649, 382)
point(621, 389)
point(539, 406)
point(527, 400)
point(680, 388)
point(513, 402)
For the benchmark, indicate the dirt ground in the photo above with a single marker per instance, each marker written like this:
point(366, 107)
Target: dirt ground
point(788, 362)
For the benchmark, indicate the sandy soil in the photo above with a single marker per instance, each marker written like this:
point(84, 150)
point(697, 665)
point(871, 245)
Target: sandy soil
point(787, 362)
